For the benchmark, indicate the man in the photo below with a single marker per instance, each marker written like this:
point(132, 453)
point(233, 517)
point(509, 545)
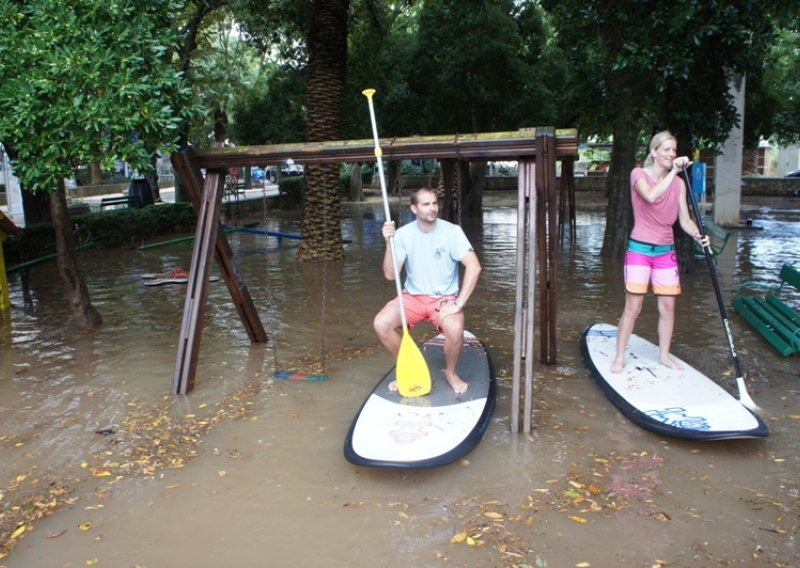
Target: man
point(431, 250)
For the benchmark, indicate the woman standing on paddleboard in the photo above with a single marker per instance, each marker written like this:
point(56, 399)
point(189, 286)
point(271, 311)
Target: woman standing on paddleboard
point(658, 196)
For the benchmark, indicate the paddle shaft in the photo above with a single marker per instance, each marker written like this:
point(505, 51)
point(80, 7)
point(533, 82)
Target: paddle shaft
point(712, 270)
point(379, 158)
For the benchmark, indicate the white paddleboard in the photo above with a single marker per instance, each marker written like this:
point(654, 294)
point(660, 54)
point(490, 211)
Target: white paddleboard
point(682, 404)
point(427, 431)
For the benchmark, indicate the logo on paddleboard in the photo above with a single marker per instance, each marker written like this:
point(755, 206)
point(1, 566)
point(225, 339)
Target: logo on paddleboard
point(677, 416)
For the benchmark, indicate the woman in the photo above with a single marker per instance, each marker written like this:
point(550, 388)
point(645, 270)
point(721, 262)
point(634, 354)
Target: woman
point(658, 195)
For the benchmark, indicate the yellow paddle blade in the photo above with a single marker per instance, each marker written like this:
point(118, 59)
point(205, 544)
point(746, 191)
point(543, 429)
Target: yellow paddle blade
point(413, 376)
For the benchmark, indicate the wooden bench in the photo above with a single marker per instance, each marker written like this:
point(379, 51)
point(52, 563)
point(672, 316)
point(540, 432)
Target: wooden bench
point(718, 239)
point(124, 200)
point(769, 314)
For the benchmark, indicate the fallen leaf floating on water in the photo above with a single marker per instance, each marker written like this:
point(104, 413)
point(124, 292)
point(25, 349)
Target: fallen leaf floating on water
point(493, 515)
point(458, 538)
point(577, 519)
point(583, 565)
point(19, 531)
point(85, 526)
point(58, 534)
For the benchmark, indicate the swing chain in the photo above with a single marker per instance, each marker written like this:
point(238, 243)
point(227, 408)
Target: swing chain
point(324, 309)
point(458, 187)
point(268, 279)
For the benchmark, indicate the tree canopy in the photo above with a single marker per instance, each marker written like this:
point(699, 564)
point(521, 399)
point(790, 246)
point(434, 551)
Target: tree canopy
point(86, 80)
point(640, 67)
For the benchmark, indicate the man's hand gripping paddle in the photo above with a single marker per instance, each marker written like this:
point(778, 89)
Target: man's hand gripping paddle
point(413, 376)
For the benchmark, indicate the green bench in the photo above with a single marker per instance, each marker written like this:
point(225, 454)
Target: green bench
point(769, 314)
point(718, 238)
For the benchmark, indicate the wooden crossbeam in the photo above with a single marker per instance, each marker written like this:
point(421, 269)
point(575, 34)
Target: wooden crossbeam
point(488, 146)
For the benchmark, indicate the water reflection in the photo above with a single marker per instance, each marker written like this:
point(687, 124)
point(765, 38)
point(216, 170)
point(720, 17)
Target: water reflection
point(59, 386)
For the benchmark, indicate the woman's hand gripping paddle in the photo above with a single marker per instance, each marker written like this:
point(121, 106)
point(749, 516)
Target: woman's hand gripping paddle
point(744, 397)
point(413, 376)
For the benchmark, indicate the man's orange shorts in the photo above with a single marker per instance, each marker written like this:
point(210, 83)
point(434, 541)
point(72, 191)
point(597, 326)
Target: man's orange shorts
point(421, 308)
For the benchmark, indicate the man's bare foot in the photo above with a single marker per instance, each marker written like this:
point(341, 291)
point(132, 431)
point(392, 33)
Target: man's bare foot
point(459, 386)
point(616, 367)
point(668, 362)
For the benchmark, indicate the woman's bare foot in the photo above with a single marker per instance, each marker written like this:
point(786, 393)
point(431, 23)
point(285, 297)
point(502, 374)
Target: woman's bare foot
point(617, 366)
point(459, 386)
point(668, 362)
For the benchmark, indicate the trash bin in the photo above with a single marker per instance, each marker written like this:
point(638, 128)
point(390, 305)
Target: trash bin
point(140, 187)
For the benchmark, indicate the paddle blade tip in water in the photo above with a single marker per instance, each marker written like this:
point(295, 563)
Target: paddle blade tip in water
point(744, 397)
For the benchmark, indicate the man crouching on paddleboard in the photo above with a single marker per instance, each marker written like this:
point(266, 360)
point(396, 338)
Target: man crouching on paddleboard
point(431, 249)
point(659, 199)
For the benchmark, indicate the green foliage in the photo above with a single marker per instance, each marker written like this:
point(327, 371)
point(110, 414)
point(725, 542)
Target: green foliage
point(345, 175)
point(272, 111)
point(291, 190)
point(223, 70)
point(447, 66)
point(782, 87)
point(475, 67)
point(280, 25)
point(661, 65)
point(111, 228)
point(85, 81)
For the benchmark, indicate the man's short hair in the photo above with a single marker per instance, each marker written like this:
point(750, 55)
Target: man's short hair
point(416, 192)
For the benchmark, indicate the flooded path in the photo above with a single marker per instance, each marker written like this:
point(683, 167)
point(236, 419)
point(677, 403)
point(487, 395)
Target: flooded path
point(249, 470)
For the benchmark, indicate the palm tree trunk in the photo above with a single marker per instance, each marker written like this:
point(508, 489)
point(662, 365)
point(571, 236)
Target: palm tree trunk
point(327, 66)
point(86, 315)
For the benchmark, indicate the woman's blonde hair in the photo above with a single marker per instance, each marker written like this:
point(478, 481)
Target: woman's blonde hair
point(655, 142)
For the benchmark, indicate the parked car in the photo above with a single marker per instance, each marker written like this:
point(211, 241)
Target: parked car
point(292, 170)
point(794, 174)
point(286, 170)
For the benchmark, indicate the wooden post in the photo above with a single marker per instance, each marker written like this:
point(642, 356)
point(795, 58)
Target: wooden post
point(197, 286)
point(525, 286)
point(566, 200)
point(547, 236)
point(208, 238)
point(239, 292)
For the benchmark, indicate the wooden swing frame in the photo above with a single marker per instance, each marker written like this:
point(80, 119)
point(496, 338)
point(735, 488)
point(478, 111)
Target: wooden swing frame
point(537, 227)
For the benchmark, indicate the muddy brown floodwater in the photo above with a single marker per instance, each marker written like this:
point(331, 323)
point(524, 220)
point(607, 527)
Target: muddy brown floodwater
point(102, 466)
